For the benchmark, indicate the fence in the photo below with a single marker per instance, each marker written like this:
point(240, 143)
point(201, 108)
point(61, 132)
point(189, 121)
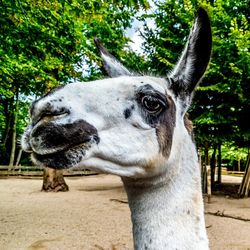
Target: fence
point(36, 171)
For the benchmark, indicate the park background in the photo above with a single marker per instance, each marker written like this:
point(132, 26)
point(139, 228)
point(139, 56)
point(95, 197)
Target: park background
point(47, 43)
point(44, 44)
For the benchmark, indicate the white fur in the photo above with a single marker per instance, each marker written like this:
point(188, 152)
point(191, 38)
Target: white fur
point(167, 211)
point(115, 67)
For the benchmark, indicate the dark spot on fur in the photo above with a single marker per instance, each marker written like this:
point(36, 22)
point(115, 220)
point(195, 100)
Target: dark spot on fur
point(127, 113)
point(188, 212)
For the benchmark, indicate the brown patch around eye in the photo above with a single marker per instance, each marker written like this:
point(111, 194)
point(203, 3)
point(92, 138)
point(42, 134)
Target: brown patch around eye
point(165, 127)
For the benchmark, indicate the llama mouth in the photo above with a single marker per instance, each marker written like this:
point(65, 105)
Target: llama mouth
point(62, 159)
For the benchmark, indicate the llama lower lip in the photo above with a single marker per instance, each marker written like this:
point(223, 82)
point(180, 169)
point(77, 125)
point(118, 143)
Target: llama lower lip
point(61, 159)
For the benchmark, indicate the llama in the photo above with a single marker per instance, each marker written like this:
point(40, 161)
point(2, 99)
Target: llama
point(133, 126)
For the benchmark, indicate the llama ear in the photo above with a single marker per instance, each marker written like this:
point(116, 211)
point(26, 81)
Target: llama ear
point(195, 57)
point(113, 67)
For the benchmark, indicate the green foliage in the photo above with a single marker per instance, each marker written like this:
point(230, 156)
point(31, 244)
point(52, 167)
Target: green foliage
point(164, 43)
point(223, 94)
point(232, 152)
point(44, 43)
point(221, 105)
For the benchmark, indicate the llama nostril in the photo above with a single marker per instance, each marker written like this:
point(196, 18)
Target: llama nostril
point(50, 115)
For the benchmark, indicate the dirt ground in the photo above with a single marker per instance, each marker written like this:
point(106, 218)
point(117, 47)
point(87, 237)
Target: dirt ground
point(89, 217)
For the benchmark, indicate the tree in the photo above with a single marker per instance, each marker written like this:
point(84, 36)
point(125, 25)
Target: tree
point(42, 45)
point(221, 103)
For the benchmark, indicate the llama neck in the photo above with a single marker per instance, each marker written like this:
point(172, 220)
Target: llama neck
point(167, 213)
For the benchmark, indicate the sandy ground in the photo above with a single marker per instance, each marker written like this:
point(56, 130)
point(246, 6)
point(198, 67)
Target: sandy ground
point(88, 217)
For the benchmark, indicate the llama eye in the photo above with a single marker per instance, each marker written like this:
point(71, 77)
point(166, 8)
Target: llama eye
point(152, 104)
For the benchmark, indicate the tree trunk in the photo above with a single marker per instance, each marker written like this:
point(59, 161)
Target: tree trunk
point(212, 165)
point(239, 164)
point(206, 154)
point(8, 109)
point(5, 146)
point(13, 142)
point(219, 163)
point(53, 181)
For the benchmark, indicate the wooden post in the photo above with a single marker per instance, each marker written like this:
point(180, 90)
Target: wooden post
point(13, 148)
point(247, 188)
point(206, 154)
point(239, 164)
point(219, 164)
point(202, 172)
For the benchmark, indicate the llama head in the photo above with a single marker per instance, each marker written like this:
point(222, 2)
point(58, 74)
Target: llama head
point(124, 125)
